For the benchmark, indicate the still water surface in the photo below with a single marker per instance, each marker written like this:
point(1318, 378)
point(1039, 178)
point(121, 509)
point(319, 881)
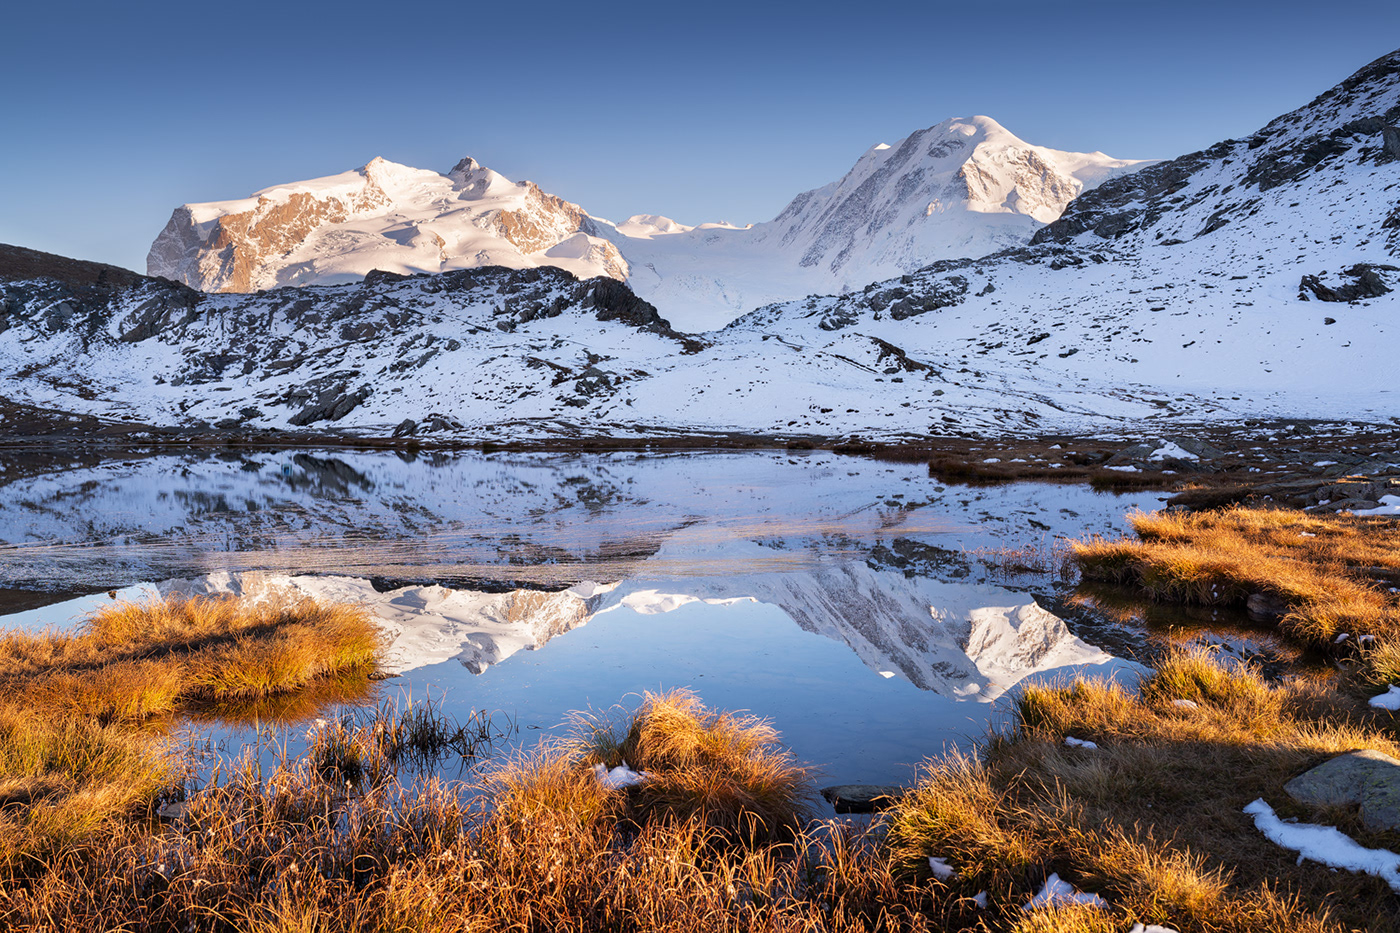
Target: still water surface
point(859, 604)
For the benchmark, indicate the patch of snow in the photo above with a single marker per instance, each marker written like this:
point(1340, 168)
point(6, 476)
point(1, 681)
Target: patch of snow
point(1057, 893)
point(1389, 505)
point(1173, 450)
point(1079, 743)
point(941, 869)
point(1389, 700)
point(1326, 845)
point(1185, 704)
point(619, 777)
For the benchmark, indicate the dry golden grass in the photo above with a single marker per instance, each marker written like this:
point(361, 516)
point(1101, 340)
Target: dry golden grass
point(1324, 575)
point(1150, 821)
point(130, 661)
point(547, 849)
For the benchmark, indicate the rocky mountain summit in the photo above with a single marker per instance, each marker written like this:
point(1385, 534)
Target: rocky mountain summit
point(382, 216)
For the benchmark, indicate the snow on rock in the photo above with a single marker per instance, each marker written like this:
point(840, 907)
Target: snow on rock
point(1389, 505)
point(1058, 893)
point(1172, 451)
point(1326, 845)
point(1389, 700)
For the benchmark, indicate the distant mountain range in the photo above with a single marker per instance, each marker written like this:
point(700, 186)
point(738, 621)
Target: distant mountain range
point(1253, 278)
point(961, 188)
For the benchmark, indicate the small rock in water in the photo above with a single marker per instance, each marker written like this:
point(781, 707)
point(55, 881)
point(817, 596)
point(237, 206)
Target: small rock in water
point(863, 798)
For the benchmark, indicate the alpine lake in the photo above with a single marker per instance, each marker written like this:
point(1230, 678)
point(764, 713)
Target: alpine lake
point(876, 615)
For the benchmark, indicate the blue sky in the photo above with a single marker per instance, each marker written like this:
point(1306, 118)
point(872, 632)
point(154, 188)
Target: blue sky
point(116, 113)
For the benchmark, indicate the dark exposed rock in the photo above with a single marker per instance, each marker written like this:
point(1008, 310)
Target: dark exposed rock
point(406, 428)
point(331, 404)
point(379, 277)
point(1367, 282)
point(863, 798)
point(19, 264)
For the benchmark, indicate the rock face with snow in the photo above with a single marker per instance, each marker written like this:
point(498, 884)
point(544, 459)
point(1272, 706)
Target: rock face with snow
point(965, 187)
point(961, 188)
point(383, 216)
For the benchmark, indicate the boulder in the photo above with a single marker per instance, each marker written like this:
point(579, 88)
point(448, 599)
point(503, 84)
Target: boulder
point(1366, 777)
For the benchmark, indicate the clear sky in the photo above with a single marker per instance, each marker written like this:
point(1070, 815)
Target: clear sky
point(114, 113)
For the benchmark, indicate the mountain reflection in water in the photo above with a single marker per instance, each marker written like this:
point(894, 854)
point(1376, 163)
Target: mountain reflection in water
point(573, 580)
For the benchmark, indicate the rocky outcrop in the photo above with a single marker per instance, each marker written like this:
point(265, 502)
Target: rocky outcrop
point(1367, 281)
point(382, 216)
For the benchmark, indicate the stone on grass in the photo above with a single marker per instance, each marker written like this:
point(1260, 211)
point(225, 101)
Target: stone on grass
point(1366, 777)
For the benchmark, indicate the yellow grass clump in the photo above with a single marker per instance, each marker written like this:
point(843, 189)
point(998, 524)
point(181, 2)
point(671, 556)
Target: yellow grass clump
point(726, 770)
point(1152, 819)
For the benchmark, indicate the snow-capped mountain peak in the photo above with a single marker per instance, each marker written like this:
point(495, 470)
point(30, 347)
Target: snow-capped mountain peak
point(879, 216)
point(383, 216)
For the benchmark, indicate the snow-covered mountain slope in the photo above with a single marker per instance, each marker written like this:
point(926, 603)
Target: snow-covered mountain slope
point(961, 188)
point(1258, 274)
point(383, 216)
point(501, 354)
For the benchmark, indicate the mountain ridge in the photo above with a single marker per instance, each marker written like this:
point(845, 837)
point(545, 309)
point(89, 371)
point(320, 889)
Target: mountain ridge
point(961, 187)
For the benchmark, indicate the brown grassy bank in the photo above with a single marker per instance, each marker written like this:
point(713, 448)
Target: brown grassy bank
point(1152, 819)
point(1325, 579)
point(75, 750)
